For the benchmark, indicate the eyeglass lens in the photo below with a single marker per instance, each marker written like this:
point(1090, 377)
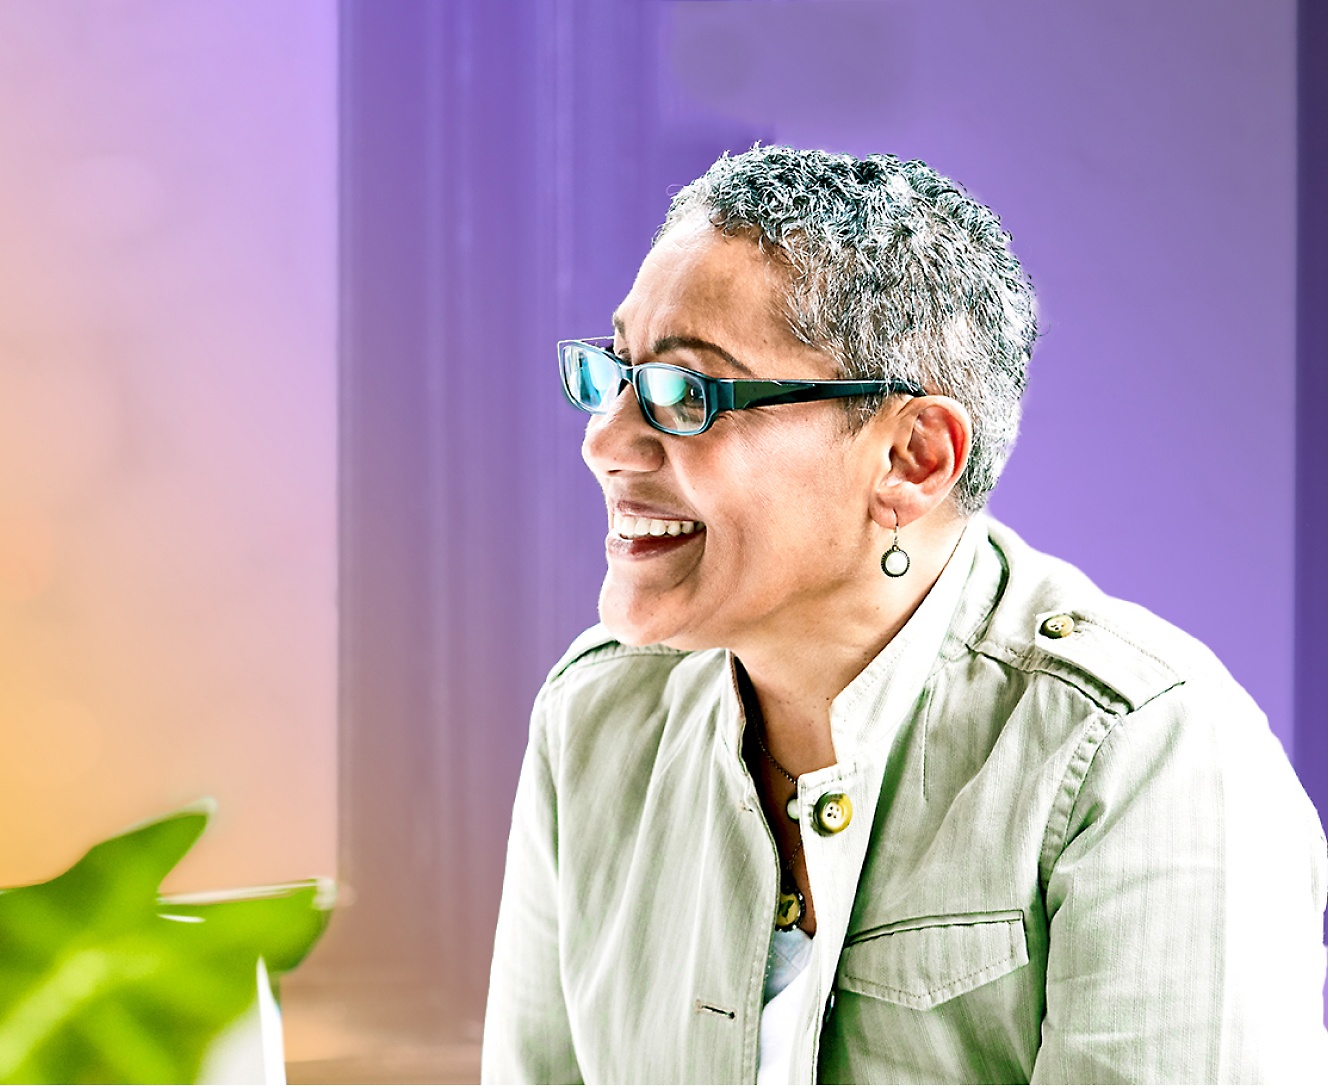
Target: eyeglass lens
point(591, 378)
point(675, 400)
point(672, 398)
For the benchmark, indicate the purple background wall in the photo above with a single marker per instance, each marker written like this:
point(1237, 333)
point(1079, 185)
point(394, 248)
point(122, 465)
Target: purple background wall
point(504, 166)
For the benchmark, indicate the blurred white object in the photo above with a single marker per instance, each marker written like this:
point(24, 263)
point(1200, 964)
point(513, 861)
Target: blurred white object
point(251, 1050)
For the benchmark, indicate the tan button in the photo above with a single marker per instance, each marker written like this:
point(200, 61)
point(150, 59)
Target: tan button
point(834, 811)
point(1058, 626)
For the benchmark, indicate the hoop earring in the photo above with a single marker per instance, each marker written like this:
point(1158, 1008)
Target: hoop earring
point(895, 561)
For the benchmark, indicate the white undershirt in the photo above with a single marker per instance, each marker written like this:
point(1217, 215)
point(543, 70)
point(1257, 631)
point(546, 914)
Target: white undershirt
point(785, 981)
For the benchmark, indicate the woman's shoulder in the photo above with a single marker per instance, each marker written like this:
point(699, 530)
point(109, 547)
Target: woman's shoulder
point(1051, 618)
point(597, 646)
point(600, 680)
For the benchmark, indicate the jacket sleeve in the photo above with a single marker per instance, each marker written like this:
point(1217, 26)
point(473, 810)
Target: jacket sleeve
point(1185, 896)
point(527, 1037)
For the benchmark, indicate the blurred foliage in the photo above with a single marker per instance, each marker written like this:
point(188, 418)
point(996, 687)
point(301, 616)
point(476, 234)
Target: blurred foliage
point(103, 980)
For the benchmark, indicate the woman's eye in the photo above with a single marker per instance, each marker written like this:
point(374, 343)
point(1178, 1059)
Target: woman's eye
point(667, 388)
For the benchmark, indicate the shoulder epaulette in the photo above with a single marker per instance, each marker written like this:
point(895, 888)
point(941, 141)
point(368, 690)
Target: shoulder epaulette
point(1088, 651)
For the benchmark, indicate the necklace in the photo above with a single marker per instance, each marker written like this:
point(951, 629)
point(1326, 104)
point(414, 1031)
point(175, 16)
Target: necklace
point(791, 906)
point(792, 808)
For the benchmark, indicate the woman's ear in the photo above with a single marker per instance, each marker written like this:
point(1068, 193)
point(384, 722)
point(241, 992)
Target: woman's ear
point(926, 445)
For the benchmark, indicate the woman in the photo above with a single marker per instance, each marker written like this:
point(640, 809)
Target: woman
point(850, 784)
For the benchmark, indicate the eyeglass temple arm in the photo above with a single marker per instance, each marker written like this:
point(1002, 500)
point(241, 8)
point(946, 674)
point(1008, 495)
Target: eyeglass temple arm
point(735, 395)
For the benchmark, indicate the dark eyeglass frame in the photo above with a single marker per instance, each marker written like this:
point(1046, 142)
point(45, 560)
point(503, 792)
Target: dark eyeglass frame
point(719, 394)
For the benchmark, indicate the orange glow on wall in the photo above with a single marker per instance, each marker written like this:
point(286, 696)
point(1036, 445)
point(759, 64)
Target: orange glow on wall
point(167, 430)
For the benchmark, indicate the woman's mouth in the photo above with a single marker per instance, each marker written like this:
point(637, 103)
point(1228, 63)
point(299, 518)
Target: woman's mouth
point(644, 537)
point(629, 527)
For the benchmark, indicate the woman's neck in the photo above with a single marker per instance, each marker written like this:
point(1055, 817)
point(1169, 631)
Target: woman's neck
point(794, 675)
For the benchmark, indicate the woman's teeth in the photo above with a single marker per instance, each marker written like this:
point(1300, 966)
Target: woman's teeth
point(640, 527)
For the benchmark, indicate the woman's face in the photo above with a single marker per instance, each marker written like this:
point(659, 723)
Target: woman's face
point(778, 495)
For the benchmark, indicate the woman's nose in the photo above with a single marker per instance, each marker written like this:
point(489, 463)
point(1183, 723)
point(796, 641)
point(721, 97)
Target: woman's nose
point(621, 439)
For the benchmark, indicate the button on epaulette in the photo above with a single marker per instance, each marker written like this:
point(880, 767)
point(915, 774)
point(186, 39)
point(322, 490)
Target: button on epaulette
point(1099, 660)
point(1058, 626)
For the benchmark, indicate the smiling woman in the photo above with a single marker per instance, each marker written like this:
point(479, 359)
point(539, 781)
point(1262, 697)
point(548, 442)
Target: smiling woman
point(787, 535)
point(850, 784)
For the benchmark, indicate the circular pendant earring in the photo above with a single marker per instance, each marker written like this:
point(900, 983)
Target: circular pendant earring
point(895, 561)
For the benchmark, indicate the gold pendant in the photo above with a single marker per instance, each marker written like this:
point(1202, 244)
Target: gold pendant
point(789, 910)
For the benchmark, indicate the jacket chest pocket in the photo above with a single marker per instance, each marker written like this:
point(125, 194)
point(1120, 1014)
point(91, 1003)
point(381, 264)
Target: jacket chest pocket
point(923, 962)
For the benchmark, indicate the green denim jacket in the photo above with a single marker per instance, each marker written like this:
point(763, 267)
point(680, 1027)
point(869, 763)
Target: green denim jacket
point(1076, 854)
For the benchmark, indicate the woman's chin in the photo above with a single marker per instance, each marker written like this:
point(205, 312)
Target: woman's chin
point(629, 630)
point(634, 618)
point(671, 617)
point(650, 631)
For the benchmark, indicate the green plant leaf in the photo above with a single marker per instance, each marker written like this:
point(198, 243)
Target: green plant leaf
point(104, 980)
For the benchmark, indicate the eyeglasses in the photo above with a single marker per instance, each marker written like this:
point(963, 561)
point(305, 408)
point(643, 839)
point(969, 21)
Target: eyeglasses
point(683, 402)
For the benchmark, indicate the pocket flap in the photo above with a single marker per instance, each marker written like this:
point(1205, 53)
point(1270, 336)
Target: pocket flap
point(923, 962)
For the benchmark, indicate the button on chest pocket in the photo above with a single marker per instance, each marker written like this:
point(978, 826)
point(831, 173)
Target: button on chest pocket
point(923, 962)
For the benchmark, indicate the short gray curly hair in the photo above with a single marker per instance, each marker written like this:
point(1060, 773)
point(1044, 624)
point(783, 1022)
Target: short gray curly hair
point(895, 272)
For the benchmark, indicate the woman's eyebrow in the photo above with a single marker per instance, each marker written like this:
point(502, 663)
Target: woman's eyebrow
point(673, 343)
